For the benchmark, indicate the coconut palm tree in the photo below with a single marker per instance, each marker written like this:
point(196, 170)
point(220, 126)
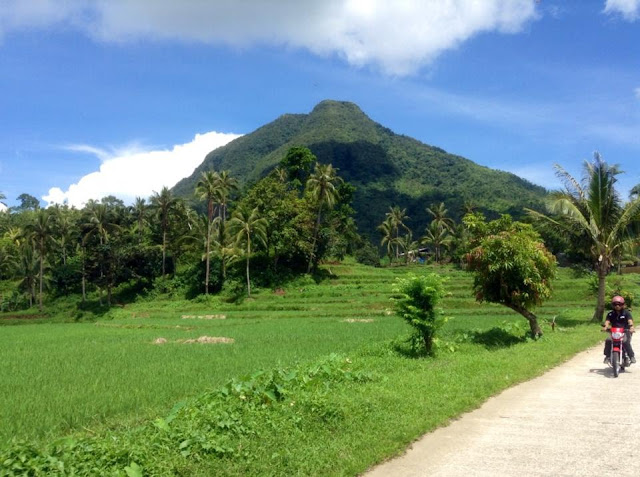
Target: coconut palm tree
point(322, 188)
point(397, 216)
point(163, 203)
point(64, 230)
point(248, 227)
point(226, 185)
point(438, 236)
point(408, 246)
point(439, 214)
point(27, 270)
point(139, 211)
point(388, 236)
point(592, 208)
point(208, 188)
point(101, 222)
point(40, 233)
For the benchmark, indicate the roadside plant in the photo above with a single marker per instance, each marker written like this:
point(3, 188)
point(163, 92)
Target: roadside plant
point(511, 266)
point(416, 301)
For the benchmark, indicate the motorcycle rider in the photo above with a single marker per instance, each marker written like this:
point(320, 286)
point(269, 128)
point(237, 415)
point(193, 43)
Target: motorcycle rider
point(619, 317)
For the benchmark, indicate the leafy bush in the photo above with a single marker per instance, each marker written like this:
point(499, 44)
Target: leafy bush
point(367, 254)
point(416, 303)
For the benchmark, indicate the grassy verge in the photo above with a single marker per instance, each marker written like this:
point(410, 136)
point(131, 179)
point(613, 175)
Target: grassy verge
point(334, 416)
point(105, 383)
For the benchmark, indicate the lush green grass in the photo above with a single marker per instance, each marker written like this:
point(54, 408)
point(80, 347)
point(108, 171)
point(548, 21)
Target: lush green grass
point(71, 376)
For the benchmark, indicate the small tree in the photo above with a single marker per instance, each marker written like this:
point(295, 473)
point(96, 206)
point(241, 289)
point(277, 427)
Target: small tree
point(512, 266)
point(416, 303)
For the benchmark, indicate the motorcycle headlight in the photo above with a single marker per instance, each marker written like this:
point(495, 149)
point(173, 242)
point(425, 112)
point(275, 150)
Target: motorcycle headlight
point(617, 335)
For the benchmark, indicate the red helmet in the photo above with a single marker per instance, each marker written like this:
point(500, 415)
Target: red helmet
point(617, 299)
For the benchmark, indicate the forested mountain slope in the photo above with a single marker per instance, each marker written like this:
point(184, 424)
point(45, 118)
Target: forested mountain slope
point(387, 169)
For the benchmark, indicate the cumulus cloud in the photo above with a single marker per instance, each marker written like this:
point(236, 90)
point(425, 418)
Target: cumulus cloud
point(629, 9)
point(134, 172)
point(398, 37)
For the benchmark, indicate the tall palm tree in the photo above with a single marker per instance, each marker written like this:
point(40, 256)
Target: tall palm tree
point(40, 232)
point(408, 246)
point(397, 216)
point(27, 270)
point(322, 188)
point(139, 211)
point(438, 236)
point(388, 238)
point(102, 223)
point(226, 185)
point(208, 189)
point(163, 203)
point(593, 208)
point(64, 230)
point(8, 262)
point(246, 227)
point(439, 214)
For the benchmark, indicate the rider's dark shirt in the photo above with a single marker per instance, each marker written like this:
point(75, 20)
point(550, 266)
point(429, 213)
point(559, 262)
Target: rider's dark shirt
point(620, 320)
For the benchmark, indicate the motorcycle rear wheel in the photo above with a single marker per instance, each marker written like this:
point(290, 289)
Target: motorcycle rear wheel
point(615, 363)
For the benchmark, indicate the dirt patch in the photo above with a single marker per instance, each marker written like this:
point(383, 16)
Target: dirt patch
point(359, 320)
point(139, 315)
point(204, 317)
point(141, 326)
point(202, 339)
point(209, 339)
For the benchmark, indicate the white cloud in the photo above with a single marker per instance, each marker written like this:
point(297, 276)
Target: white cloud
point(130, 173)
point(399, 37)
point(629, 9)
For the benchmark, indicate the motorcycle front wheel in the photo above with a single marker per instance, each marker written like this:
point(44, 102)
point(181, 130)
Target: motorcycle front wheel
point(615, 363)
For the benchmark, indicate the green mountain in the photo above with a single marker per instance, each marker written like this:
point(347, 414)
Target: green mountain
point(386, 168)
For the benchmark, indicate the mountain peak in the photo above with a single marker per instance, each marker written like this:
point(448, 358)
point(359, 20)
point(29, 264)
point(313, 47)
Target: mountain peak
point(330, 104)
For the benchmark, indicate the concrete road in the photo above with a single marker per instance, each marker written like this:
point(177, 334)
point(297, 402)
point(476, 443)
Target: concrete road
point(576, 420)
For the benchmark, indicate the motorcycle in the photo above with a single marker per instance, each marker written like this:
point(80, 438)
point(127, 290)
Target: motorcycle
point(618, 359)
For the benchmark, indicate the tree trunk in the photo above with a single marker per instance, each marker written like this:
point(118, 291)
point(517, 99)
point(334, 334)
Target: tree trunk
point(536, 332)
point(313, 245)
point(41, 276)
point(602, 288)
point(206, 273)
point(84, 279)
point(248, 253)
point(164, 251)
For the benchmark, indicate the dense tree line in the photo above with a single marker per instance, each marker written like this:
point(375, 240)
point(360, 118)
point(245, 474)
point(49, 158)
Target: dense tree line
point(287, 222)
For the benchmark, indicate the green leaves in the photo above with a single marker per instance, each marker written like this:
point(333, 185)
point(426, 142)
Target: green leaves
point(416, 302)
point(512, 267)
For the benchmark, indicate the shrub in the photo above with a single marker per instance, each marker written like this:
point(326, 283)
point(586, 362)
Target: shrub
point(416, 302)
point(367, 254)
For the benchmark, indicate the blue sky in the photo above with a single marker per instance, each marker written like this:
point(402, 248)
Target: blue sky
point(122, 97)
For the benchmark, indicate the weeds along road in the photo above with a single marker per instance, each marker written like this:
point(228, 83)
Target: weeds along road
point(576, 420)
